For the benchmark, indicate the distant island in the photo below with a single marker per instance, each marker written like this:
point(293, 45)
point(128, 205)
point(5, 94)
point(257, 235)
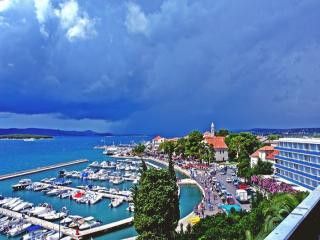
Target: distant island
point(24, 137)
point(58, 132)
point(49, 132)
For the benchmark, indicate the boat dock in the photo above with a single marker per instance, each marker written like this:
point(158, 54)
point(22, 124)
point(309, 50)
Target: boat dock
point(106, 228)
point(41, 169)
point(69, 231)
point(105, 195)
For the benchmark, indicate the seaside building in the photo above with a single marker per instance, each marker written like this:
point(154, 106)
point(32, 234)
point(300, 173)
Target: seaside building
point(266, 154)
point(157, 141)
point(218, 144)
point(298, 161)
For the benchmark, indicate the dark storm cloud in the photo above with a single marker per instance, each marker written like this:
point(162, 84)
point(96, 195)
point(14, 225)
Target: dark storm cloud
point(164, 66)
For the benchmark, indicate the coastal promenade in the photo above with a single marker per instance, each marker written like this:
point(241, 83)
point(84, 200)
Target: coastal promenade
point(41, 169)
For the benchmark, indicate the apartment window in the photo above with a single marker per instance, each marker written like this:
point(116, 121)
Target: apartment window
point(307, 169)
point(301, 179)
point(295, 176)
point(318, 147)
point(295, 166)
point(314, 183)
point(314, 171)
point(301, 168)
point(300, 146)
point(307, 158)
point(313, 147)
point(307, 181)
point(290, 174)
point(295, 145)
point(313, 159)
point(306, 146)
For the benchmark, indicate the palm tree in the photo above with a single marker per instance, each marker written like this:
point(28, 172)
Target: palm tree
point(207, 153)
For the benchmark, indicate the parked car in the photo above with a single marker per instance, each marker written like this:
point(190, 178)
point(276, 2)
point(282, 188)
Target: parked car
point(228, 180)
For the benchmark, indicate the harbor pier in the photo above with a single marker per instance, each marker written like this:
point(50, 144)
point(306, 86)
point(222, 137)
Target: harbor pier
point(41, 169)
point(85, 234)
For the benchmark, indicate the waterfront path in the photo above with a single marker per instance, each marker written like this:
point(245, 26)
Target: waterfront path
point(41, 169)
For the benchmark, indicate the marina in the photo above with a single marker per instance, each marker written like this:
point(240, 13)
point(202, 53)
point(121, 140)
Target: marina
point(74, 234)
point(99, 181)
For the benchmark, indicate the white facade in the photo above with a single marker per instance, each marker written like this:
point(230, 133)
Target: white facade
point(221, 155)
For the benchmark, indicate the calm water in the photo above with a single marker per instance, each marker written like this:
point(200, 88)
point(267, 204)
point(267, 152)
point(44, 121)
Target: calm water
point(20, 155)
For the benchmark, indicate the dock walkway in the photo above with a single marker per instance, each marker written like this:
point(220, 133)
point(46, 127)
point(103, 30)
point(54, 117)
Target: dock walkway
point(41, 169)
point(69, 231)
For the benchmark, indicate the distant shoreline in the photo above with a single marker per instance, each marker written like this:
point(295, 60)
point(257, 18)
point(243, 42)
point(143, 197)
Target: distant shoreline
point(24, 137)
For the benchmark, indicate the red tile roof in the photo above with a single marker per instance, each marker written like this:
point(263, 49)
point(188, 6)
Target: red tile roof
point(272, 155)
point(255, 154)
point(270, 152)
point(266, 148)
point(157, 138)
point(216, 142)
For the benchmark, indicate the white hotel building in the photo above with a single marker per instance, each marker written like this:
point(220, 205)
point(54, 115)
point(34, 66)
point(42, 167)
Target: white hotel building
point(298, 161)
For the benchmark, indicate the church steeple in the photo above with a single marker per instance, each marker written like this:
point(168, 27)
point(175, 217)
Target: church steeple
point(212, 129)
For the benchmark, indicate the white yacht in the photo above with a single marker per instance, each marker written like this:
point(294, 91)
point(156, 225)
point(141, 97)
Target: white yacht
point(22, 206)
point(15, 204)
point(130, 208)
point(110, 150)
point(22, 184)
point(19, 229)
point(10, 202)
point(116, 202)
point(35, 235)
point(89, 224)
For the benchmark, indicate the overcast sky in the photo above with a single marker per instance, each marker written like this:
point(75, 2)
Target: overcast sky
point(160, 66)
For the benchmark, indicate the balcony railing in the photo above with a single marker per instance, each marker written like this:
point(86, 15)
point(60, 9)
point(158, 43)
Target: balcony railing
point(302, 222)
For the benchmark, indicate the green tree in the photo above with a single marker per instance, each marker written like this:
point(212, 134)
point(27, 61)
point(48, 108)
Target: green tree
point(193, 145)
point(262, 168)
point(208, 153)
point(181, 147)
point(256, 224)
point(242, 145)
point(139, 151)
point(244, 169)
point(156, 213)
point(273, 137)
point(168, 147)
point(222, 132)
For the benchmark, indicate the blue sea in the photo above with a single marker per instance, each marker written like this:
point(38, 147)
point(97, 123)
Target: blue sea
point(16, 155)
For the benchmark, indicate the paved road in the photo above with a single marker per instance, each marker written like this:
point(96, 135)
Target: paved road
point(212, 198)
point(229, 186)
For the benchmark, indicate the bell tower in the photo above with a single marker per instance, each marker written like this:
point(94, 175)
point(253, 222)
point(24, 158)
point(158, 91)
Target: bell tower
point(212, 129)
